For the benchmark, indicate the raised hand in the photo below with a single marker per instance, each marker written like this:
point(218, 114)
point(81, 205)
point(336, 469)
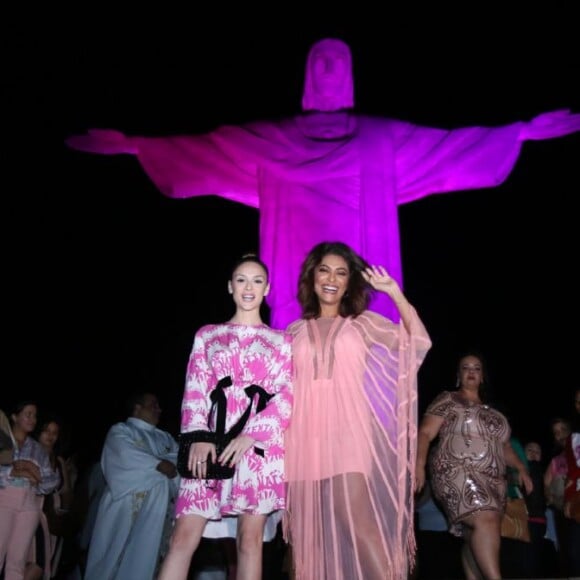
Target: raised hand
point(549, 125)
point(379, 279)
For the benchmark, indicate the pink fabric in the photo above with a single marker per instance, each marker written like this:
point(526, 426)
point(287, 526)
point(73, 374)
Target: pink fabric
point(19, 517)
point(351, 447)
point(249, 355)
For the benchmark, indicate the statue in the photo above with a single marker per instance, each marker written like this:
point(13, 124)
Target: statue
point(328, 173)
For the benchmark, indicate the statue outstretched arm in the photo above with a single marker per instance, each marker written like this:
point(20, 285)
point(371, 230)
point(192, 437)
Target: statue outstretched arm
point(185, 165)
point(104, 141)
point(551, 125)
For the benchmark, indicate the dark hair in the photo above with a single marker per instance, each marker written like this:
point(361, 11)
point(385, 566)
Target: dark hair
point(485, 386)
point(19, 406)
point(135, 398)
point(358, 294)
point(48, 417)
point(249, 257)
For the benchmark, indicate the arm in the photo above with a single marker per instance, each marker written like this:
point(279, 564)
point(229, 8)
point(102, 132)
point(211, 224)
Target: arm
point(380, 280)
point(512, 460)
point(428, 430)
point(548, 477)
point(128, 463)
point(200, 379)
point(430, 160)
point(217, 163)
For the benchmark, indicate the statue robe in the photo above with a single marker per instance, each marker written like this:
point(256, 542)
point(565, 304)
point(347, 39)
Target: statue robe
point(333, 176)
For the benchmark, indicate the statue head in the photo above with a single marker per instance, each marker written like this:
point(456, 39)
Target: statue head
point(328, 84)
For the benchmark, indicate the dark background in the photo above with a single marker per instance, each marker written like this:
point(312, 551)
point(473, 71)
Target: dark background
point(108, 280)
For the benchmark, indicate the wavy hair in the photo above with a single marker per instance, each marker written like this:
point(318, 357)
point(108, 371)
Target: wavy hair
point(358, 294)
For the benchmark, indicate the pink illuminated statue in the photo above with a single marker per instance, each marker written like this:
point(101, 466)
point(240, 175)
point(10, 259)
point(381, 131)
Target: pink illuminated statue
point(328, 174)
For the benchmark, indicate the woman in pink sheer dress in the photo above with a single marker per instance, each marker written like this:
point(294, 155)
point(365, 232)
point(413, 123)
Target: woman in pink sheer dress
point(252, 355)
point(350, 447)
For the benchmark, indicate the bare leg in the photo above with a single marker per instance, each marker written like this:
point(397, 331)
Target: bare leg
point(470, 567)
point(184, 542)
point(352, 502)
point(249, 545)
point(484, 542)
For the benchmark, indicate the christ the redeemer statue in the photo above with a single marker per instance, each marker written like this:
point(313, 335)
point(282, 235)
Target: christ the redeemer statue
point(328, 173)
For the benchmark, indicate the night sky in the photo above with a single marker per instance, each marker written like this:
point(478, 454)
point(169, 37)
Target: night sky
point(108, 280)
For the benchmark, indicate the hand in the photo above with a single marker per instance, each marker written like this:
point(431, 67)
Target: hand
point(167, 468)
point(550, 125)
point(232, 454)
point(198, 457)
point(380, 280)
point(419, 479)
point(27, 469)
point(527, 482)
point(105, 141)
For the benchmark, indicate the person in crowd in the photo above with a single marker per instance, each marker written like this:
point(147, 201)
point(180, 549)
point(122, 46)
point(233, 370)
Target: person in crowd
point(517, 557)
point(6, 440)
point(571, 508)
point(351, 443)
point(543, 542)
point(554, 485)
point(88, 493)
point(468, 465)
point(248, 364)
point(23, 484)
point(328, 172)
point(57, 505)
point(555, 474)
point(135, 512)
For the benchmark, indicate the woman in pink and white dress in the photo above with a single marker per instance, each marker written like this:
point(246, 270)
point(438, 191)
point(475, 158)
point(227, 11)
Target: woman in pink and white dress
point(250, 363)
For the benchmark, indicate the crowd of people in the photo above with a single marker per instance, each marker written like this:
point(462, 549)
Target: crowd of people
point(327, 452)
point(316, 412)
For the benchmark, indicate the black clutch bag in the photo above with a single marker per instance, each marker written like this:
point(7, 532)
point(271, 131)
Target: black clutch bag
point(218, 437)
point(213, 470)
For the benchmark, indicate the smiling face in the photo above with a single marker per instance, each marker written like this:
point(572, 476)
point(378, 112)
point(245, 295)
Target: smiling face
point(331, 278)
point(248, 286)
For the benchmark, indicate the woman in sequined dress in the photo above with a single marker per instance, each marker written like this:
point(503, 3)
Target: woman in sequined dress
point(468, 466)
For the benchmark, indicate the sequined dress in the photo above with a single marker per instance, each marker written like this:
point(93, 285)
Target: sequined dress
point(467, 465)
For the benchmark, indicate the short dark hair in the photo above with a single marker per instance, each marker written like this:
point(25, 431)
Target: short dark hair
point(135, 398)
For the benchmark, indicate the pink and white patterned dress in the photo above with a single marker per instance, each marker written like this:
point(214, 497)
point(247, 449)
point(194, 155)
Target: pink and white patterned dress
point(249, 355)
